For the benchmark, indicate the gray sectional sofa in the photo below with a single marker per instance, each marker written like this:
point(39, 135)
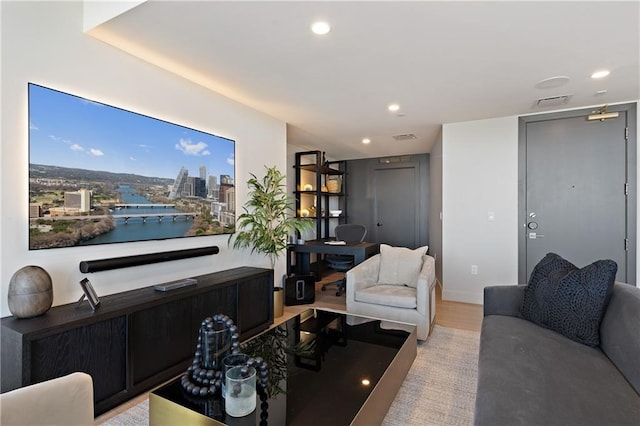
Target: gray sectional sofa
point(531, 375)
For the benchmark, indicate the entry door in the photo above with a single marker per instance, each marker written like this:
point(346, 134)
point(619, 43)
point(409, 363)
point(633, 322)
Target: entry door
point(396, 206)
point(576, 201)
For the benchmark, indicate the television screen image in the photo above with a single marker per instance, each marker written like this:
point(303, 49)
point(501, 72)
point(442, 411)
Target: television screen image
point(99, 174)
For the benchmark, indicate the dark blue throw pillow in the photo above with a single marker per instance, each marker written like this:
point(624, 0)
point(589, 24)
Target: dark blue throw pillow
point(567, 299)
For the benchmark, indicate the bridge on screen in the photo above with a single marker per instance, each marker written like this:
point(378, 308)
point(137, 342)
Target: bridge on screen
point(160, 216)
point(126, 216)
point(144, 206)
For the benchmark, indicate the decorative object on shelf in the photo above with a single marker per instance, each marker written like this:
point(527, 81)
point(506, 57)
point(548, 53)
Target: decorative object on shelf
point(313, 212)
point(89, 293)
point(308, 187)
point(324, 188)
point(335, 213)
point(304, 213)
point(30, 292)
point(334, 184)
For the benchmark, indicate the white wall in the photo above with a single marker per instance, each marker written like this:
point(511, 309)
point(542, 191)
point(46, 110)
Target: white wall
point(479, 176)
point(43, 43)
point(435, 204)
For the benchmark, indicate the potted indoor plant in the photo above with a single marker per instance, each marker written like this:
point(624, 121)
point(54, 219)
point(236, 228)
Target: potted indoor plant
point(268, 219)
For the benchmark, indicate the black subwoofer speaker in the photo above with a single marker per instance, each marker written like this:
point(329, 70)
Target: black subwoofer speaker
point(299, 290)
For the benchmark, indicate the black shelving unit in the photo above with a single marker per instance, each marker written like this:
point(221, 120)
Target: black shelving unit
point(315, 196)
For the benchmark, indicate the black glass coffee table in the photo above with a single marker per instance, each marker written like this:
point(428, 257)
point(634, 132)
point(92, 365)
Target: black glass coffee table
point(335, 369)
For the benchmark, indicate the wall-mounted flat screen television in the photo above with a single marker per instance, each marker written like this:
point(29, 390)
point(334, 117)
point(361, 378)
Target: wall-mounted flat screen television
point(99, 174)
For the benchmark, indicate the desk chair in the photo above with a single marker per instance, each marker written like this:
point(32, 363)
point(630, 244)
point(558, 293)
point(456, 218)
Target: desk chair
point(350, 233)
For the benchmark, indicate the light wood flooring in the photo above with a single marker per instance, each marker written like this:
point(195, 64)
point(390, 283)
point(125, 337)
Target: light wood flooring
point(464, 316)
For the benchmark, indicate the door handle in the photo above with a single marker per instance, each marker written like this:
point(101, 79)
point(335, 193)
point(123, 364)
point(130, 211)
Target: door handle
point(378, 224)
point(534, 235)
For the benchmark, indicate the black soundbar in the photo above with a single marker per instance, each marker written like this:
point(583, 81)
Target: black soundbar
point(87, 266)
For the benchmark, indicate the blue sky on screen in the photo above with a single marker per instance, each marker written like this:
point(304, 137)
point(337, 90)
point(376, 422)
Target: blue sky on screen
point(70, 131)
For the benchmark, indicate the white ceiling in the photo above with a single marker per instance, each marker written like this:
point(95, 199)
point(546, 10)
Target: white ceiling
point(442, 62)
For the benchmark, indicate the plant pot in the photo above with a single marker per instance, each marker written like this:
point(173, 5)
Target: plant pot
point(278, 302)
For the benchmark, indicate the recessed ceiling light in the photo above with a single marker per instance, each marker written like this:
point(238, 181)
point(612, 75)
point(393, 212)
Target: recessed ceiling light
point(600, 74)
point(393, 107)
point(366, 382)
point(320, 28)
point(366, 141)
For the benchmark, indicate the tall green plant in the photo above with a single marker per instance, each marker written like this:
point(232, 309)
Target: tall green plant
point(268, 218)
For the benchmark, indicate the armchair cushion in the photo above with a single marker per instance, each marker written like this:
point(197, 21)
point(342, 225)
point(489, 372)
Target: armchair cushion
point(388, 295)
point(400, 265)
point(392, 302)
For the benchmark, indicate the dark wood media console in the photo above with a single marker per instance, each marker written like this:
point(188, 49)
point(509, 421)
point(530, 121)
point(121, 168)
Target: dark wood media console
point(136, 339)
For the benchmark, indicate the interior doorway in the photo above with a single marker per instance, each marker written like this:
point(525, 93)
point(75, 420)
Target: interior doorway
point(392, 192)
point(578, 189)
point(396, 205)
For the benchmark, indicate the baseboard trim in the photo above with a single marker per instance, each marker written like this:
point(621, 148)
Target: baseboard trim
point(462, 296)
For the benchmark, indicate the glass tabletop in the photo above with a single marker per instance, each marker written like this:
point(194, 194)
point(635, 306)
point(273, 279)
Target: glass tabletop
point(323, 367)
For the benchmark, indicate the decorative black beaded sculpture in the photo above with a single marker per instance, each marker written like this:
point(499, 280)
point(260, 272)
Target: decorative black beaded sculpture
point(204, 376)
point(262, 382)
point(217, 338)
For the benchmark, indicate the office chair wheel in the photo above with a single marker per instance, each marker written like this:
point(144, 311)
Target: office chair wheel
point(338, 293)
point(323, 288)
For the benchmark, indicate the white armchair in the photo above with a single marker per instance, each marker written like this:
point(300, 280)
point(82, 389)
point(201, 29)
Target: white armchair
point(64, 401)
point(369, 296)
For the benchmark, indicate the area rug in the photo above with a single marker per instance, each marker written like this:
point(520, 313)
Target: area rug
point(439, 390)
point(138, 415)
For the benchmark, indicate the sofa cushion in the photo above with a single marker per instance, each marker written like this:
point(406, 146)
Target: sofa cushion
point(529, 375)
point(569, 300)
point(388, 295)
point(400, 265)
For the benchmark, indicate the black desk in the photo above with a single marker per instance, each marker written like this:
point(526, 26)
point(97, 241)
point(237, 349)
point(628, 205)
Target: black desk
point(359, 251)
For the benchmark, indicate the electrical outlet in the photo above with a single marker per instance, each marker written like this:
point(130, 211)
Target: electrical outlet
point(474, 269)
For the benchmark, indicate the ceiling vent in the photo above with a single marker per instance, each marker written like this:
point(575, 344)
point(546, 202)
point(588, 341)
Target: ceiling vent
point(552, 101)
point(399, 159)
point(405, 137)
